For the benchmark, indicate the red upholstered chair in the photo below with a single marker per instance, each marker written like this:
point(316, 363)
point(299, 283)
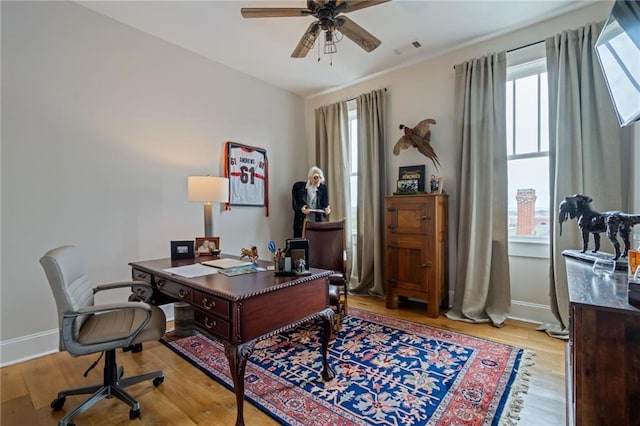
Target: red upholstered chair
point(327, 251)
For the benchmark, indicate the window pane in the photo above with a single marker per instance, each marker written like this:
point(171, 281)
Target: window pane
point(544, 113)
point(353, 139)
point(509, 117)
point(529, 197)
point(526, 120)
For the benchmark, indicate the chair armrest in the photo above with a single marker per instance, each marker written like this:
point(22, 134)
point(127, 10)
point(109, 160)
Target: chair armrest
point(141, 289)
point(107, 307)
point(75, 348)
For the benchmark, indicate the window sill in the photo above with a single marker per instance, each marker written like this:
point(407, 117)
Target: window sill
point(529, 247)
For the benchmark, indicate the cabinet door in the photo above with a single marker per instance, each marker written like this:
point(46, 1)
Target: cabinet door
point(409, 268)
point(411, 217)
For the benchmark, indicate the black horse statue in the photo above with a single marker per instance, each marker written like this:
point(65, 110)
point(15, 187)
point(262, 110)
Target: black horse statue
point(593, 222)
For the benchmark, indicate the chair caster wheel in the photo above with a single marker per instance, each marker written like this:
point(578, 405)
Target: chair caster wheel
point(134, 414)
point(158, 381)
point(57, 403)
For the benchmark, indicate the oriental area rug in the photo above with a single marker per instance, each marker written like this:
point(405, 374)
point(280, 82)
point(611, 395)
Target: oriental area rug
point(388, 372)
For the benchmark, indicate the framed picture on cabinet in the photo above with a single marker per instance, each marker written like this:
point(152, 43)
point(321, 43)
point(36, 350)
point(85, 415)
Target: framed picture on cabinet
point(412, 172)
point(435, 185)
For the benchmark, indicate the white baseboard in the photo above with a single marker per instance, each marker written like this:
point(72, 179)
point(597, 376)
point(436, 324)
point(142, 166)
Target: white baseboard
point(35, 345)
point(531, 312)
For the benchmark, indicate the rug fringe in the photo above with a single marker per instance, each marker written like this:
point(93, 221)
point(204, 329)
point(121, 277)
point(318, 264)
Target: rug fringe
point(511, 414)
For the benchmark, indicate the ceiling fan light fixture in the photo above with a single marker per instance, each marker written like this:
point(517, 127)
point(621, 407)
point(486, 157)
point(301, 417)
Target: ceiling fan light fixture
point(329, 44)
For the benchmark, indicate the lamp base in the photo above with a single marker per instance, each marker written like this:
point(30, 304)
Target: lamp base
point(208, 220)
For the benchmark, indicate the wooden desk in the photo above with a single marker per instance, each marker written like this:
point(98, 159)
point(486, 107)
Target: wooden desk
point(241, 310)
point(603, 357)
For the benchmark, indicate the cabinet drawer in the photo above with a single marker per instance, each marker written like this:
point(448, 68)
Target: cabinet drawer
point(138, 275)
point(174, 289)
point(212, 324)
point(211, 304)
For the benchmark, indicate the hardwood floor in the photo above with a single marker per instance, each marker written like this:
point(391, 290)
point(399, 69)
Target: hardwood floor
point(188, 397)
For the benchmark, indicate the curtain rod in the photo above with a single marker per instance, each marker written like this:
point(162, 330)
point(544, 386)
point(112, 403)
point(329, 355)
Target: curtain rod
point(353, 99)
point(525, 46)
point(518, 48)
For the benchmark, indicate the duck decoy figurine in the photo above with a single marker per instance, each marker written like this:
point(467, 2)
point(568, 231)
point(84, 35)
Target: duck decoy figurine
point(419, 137)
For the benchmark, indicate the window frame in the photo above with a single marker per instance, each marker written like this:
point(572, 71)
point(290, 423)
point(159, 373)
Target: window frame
point(520, 64)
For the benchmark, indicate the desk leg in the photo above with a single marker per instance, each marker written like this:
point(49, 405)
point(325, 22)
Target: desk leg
point(237, 356)
point(328, 373)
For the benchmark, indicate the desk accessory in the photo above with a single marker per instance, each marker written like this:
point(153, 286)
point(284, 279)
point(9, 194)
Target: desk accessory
point(207, 246)
point(182, 249)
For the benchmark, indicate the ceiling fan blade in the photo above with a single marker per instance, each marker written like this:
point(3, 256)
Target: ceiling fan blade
point(273, 12)
point(360, 4)
point(357, 34)
point(307, 41)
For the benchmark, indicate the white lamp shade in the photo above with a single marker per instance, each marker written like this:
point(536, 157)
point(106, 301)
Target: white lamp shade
point(208, 188)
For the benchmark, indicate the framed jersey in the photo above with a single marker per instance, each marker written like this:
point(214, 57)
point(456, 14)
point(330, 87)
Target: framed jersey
point(247, 170)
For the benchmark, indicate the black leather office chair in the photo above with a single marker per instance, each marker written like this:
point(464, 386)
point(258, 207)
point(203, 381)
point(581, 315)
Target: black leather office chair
point(327, 251)
point(86, 328)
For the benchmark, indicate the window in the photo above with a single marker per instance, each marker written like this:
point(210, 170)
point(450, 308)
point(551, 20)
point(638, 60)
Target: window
point(353, 150)
point(528, 151)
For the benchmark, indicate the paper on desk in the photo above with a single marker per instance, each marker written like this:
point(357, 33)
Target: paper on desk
point(192, 271)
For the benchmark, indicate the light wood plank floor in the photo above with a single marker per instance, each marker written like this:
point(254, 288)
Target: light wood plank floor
point(188, 397)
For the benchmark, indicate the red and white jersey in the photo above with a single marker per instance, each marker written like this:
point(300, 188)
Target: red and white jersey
point(247, 175)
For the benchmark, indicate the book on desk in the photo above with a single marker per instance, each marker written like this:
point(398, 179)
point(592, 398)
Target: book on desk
point(226, 263)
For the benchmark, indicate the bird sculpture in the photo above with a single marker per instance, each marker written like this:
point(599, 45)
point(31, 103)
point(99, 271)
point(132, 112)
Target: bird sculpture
point(419, 137)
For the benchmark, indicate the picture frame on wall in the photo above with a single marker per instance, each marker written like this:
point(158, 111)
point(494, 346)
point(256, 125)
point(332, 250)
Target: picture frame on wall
point(413, 172)
point(247, 169)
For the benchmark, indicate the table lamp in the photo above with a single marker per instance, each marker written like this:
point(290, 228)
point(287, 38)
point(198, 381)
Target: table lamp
point(209, 189)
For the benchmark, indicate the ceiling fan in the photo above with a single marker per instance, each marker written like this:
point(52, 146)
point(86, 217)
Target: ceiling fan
point(329, 19)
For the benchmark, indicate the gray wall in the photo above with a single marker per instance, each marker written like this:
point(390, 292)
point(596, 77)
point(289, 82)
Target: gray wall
point(101, 125)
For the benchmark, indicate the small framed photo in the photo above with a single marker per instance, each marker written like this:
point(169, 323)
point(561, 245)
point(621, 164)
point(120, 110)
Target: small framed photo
point(206, 246)
point(407, 186)
point(413, 172)
point(435, 185)
point(182, 250)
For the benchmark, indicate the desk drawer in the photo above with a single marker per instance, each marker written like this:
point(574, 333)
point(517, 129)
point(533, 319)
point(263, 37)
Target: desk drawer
point(174, 289)
point(212, 324)
point(212, 304)
point(139, 275)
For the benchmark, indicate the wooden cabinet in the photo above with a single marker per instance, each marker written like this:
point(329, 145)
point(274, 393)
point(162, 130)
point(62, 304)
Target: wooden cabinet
point(603, 355)
point(416, 250)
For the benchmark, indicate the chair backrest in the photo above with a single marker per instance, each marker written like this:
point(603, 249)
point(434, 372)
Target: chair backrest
point(326, 245)
point(69, 283)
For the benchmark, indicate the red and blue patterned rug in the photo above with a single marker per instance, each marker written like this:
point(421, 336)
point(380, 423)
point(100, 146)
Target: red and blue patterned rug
point(388, 372)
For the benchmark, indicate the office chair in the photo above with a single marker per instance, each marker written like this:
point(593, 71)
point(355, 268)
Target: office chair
point(86, 328)
point(327, 251)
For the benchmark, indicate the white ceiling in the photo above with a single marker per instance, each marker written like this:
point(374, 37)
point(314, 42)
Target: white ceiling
point(261, 47)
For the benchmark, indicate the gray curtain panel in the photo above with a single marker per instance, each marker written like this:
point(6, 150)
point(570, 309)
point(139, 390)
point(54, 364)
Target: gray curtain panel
point(588, 149)
point(371, 191)
point(482, 288)
point(332, 156)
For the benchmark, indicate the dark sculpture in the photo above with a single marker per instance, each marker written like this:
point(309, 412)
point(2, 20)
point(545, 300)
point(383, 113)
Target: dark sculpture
point(593, 222)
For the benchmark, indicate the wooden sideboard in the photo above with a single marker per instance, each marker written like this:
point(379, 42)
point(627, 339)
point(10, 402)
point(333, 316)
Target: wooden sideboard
point(416, 249)
point(603, 354)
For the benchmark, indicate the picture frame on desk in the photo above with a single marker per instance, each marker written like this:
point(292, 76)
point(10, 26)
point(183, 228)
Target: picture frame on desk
point(182, 249)
point(207, 246)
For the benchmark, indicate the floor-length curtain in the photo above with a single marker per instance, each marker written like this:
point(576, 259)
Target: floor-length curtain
point(371, 190)
point(587, 148)
point(482, 288)
point(332, 156)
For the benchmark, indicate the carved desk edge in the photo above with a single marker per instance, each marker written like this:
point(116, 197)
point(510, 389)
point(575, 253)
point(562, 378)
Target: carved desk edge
point(191, 283)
